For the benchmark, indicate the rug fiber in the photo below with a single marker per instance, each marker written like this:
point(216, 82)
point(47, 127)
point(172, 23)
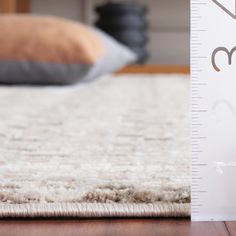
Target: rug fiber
point(116, 147)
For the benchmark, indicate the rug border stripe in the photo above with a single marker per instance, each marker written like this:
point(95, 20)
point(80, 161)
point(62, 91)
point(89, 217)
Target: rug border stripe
point(86, 210)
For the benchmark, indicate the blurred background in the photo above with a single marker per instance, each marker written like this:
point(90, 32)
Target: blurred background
point(165, 28)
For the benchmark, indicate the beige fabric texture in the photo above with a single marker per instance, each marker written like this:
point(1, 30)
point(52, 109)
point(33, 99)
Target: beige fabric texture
point(51, 39)
point(117, 147)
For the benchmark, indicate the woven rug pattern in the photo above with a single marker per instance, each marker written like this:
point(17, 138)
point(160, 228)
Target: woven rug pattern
point(118, 146)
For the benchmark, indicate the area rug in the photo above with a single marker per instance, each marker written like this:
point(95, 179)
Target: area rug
point(119, 146)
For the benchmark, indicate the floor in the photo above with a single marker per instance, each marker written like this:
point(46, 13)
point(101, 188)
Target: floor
point(115, 227)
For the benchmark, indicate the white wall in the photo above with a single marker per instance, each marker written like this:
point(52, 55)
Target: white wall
point(169, 24)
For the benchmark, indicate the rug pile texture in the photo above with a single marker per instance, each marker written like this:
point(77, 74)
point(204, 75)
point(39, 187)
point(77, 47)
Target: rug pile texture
point(119, 146)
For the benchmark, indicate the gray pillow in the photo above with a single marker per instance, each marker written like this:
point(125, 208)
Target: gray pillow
point(117, 56)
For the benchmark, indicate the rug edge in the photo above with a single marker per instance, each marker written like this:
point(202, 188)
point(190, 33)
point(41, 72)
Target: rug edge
point(94, 210)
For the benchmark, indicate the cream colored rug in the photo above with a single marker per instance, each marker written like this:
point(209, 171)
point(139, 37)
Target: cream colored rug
point(119, 146)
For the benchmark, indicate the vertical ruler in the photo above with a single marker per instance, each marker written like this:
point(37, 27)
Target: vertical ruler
point(213, 94)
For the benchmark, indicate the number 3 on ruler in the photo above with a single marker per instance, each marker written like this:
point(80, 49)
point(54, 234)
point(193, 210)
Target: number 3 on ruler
point(222, 49)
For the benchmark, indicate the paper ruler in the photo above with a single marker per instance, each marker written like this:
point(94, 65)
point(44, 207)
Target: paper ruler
point(213, 94)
